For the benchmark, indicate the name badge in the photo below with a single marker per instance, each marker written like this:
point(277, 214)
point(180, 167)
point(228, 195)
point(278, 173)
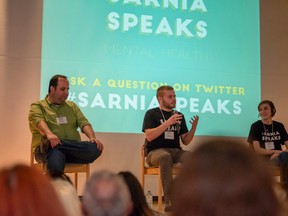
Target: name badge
point(269, 145)
point(169, 135)
point(61, 120)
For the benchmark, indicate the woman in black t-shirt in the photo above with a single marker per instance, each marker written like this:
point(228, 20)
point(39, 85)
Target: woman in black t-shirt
point(267, 137)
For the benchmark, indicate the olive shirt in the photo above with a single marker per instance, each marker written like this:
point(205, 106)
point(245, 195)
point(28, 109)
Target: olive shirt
point(63, 120)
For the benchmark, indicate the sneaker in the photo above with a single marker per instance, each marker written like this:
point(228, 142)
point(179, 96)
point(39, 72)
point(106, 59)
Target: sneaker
point(168, 208)
point(44, 145)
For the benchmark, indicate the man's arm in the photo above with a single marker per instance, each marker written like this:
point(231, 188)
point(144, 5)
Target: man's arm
point(37, 122)
point(85, 126)
point(89, 132)
point(45, 131)
point(286, 145)
point(153, 133)
point(187, 137)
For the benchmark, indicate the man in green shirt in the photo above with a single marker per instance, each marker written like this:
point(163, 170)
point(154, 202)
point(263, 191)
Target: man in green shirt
point(56, 120)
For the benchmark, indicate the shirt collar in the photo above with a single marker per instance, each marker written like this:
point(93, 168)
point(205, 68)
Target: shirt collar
point(51, 104)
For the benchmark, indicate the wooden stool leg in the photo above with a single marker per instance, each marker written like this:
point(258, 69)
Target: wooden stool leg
point(87, 174)
point(76, 181)
point(159, 192)
point(142, 179)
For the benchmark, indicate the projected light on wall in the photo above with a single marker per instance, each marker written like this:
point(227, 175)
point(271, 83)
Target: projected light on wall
point(116, 53)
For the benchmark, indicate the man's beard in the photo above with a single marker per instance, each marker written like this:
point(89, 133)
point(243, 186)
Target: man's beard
point(168, 105)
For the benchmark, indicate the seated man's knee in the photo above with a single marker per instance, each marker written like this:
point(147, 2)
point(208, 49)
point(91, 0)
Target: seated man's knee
point(92, 152)
point(284, 158)
point(166, 158)
point(94, 155)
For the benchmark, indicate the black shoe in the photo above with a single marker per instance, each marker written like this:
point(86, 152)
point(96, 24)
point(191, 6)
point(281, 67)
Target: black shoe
point(168, 208)
point(44, 145)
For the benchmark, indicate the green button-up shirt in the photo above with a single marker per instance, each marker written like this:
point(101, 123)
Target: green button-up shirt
point(63, 120)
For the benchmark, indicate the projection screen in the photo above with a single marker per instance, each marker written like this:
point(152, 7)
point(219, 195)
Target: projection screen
point(116, 53)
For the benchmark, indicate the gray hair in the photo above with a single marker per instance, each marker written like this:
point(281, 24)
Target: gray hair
point(106, 194)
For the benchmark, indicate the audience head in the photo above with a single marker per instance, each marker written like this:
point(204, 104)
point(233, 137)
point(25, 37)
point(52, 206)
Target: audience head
point(66, 192)
point(140, 206)
point(223, 178)
point(106, 194)
point(26, 191)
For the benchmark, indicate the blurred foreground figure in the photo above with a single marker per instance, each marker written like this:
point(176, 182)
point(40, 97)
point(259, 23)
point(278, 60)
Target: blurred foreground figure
point(66, 193)
point(24, 191)
point(139, 204)
point(106, 194)
point(223, 178)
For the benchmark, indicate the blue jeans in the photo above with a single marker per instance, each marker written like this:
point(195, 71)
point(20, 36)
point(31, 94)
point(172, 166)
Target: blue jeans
point(282, 162)
point(68, 152)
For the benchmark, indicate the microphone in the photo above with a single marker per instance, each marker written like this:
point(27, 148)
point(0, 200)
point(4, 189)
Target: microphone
point(178, 122)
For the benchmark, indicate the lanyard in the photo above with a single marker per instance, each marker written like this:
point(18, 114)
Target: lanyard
point(163, 114)
point(266, 130)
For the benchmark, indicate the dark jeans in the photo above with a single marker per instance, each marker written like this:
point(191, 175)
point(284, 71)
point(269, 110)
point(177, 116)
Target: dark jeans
point(68, 152)
point(281, 160)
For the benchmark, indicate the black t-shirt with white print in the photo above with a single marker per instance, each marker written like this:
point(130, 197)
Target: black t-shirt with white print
point(269, 136)
point(153, 118)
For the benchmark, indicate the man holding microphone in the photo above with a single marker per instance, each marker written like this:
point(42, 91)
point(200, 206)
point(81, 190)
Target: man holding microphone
point(163, 128)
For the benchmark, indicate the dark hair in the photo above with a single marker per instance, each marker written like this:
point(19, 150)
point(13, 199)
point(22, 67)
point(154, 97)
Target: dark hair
point(140, 206)
point(56, 174)
point(270, 103)
point(160, 90)
point(54, 81)
point(224, 178)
